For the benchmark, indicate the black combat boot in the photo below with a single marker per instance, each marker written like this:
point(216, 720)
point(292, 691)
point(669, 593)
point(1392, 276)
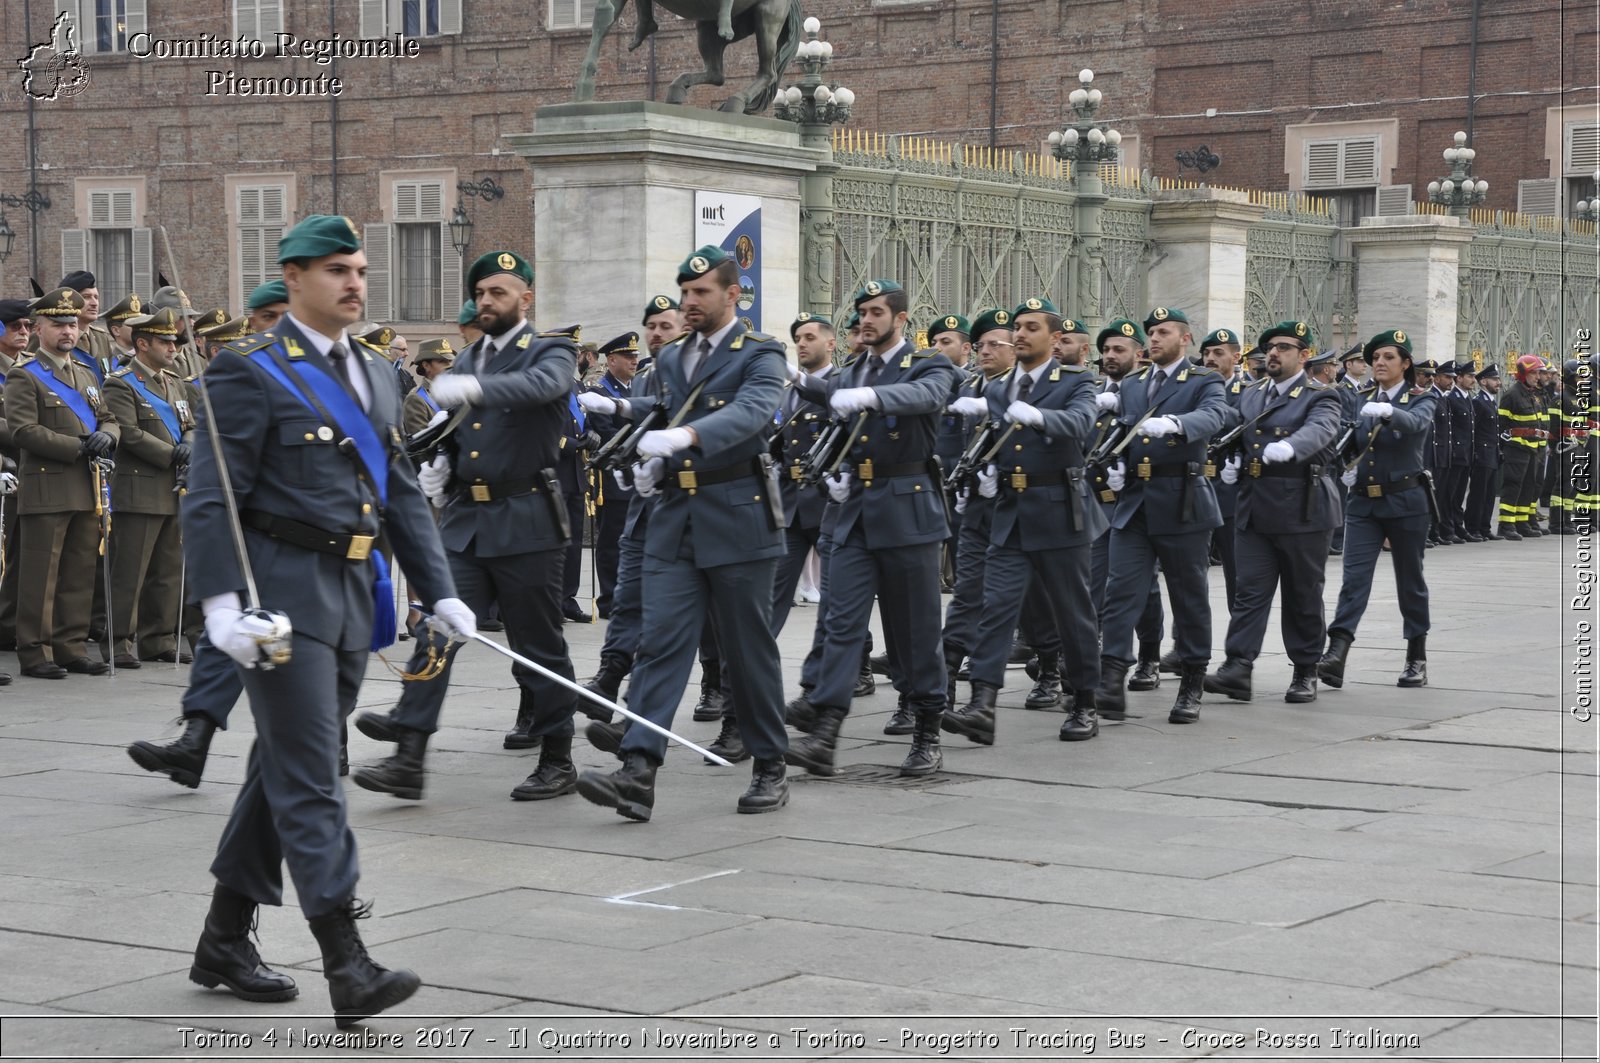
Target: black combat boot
point(1046, 693)
point(226, 956)
point(925, 757)
point(953, 656)
point(1232, 680)
point(1330, 669)
point(1110, 697)
point(1416, 673)
point(400, 774)
point(976, 719)
point(344, 750)
point(606, 736)
point(378, 726)
point(1171, 662)
point(904, 720)
point(554, 774)
point(729, 744)
point(1191, 682)
point(183, 760)
point(1303, 687)
point(815, 752)
point(521, 735)
point(1082, 723)
point(631, 789)
point(1147, 673)
point(769, 790)
point(866, 686)
point(358, 987)
point(710, 705)
point(605, 682)
point(878, 664)
point(800, 713)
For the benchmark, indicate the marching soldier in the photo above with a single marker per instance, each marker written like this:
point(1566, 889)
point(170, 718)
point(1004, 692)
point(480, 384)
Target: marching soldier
point(1388, 501)
point(380, 339)
point(94, 346)
point(1166, 512)
point(433, 358)
point(1073, 346)
point(950, 335)
point(266, 304)
point(1481, 491)
point(621, 356)
point(890, 529)
point(1286, 513)
point(662, 323)
point(504, 526)
point(1523, 438)
point(1044, 522)
point(153, 406)
point(467, 325)
point(800, 422)
point(714, 539)
point(60, 423)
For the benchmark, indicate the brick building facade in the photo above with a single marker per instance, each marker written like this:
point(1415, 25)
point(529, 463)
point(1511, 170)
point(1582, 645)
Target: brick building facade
point(154, 168)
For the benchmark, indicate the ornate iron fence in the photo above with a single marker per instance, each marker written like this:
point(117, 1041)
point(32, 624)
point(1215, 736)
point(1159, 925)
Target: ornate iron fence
point(1528, 285)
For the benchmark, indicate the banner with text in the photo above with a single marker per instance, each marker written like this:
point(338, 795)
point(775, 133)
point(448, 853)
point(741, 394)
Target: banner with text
point(733, 223)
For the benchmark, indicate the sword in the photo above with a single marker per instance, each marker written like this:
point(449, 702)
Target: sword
point(103, 467)
point(598, 700)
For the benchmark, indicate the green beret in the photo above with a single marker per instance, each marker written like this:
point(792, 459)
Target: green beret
point(1120, 327)
point(1218, 337)
point(627, 343)
point(806, 318)
point(319, 235)
point(700, 263)
point(1392, 338)
point(469, 313)
point(1072, 324)
point(988, 321)
point(873, 289)
point(487, 265)
point(1165, 313)
point(853, 321)
point(63, 303)
point(660, 304)
point(950, 323)
point(1298, 331)
point(267, 294)
point(1035, 306)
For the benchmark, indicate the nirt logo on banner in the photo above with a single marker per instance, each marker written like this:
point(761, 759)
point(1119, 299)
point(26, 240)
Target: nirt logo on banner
point(733, 223)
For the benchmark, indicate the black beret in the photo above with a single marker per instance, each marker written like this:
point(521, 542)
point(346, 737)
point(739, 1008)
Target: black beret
point(78, 280)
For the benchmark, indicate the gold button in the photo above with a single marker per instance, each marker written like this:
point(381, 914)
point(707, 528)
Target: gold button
point(1019, 446)
point(473, 454)
point(309, 437)
point(918, 487)
point(477, 424)
point(756, 497)
point(687, 463)
point(366, 507)
point(1146, 439)
point(863, 439)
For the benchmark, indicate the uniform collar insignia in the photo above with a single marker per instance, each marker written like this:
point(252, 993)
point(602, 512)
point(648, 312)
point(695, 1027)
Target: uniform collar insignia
point(523, 341)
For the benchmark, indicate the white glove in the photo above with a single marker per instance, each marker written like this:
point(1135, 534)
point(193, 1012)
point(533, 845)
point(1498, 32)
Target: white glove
point(433, 477)
point(1023, 414)
point(853, 400)
point(1380, 411)
point(621, 480)
point(968, 406)
point(455, 389)
point(439, 418)
point(240, 634)
point(1276, 453)
point(647, 477)
point(1108, 400)
point(594, 402)
point(988, 481)
point(1158, 427)
point(1117, 477)
point(8, 483)
point(665, 442)
point(1230, 470)
point(961, 502)
point(453, 620)
point(838, 486)
point(1349, 478)
point(796, 374)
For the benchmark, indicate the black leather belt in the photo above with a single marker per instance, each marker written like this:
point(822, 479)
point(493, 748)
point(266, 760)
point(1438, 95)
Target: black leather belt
point(1288, 469)
point(491, 492)
point(1399, 483)
point(1021, 481)
point(1145, 472)
point(348, 545)
point(691, 479)
point(867, 471)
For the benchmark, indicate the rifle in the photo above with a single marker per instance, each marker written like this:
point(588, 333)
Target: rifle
point(983, 449)
point(618, 452)
point(102, 469)
point(827, 453)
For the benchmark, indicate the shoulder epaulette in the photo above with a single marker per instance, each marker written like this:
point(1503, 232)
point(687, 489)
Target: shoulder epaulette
point(124, 371)
point(251, 344)
point(569, 333)
point(1316, 385)
point(1417, 391)
point(1145, 372)
point(928, 352)
point(759, 337)
point(1074, 368)
point(1203, 370)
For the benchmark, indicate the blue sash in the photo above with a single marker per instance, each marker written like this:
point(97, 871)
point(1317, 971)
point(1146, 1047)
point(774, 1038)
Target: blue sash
point(89, 362)
point(352, 421)
point(73, 399)
point(434, 406)
point(577, 411)
point(169, 416)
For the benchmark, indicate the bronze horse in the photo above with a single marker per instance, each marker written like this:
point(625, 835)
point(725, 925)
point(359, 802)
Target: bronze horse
point(775, 24)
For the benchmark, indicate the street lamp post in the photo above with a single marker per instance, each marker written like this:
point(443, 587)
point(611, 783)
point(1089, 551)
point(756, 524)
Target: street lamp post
point(1459, 191)
point(815, 105)
point(1589, 209)
point(1083, 145)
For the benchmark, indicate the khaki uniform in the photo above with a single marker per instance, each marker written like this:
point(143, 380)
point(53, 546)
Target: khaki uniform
point(96, 342)
point(8, 525)
point(58, 549)
point(146, 550)
point(417, 410)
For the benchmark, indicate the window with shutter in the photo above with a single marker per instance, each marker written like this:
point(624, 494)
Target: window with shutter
point(262, 219)
point(411, 18)
point(571, 14)
point(1343, 163)
point(421, 240)
point(1583, 150)
point(103, 26)
point(1359, 166)
point(112, 247)
point(1394, 199)
point(1540, 196)
point(257, 20)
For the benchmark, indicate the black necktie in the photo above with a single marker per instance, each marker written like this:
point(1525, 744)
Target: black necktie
point(1156, 381)
point(874, 367)
point(340, 357)
point(697, 357)
point(1024, 387)
point(1381, 396)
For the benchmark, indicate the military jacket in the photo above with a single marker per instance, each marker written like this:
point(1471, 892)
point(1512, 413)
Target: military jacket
point(1460, 427)
point(1180, 498)
point(1042, 497)
point(146, 480)
point(1439, 441)
point(1485, 430)
point(1308, 419)
point(801, 421)
point(53, 476)
point(1393, 453)
point(417, 410)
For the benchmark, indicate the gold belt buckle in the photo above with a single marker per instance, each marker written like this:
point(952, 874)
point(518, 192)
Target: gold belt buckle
point(864, 471)
point(1108, 495)
point(1144, 469)
point(1211, 470)
point(1255, 468)
point(1019, 481)
point(480, 493)
point(688, 480)
point(1374, 490)
point(795, 472)
point(360, 547)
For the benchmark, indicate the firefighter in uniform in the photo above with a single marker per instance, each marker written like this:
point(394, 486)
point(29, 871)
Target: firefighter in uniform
point(1523, 439)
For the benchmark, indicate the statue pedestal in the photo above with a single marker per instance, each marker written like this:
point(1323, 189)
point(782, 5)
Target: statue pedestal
point(1200, 266)
point(614, 205)
point(1408, 271)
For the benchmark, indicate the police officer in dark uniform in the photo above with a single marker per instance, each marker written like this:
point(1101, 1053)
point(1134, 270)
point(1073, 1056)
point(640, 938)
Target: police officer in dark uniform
point(951, 336)
point(1287, 509)
point(504, 526)
point(1166, 512)
point(1438, 463)
point(1218, 351)
point(890, 526)
point(714, 539)
point(312, 509)
point(1388, 501)
point(621, 357)
point(1453, 498)
point(1044, 522)
point(800, 422)
point(1484, 477)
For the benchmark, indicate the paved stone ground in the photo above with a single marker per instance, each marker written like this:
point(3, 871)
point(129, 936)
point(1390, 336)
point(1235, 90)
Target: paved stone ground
point(1420, 862)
